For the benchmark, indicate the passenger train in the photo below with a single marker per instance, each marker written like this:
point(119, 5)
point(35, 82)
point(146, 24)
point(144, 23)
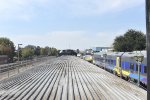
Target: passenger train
point(123, 64)
point(88, 55)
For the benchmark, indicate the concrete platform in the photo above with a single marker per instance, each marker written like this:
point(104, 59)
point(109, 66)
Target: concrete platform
point(68, 78)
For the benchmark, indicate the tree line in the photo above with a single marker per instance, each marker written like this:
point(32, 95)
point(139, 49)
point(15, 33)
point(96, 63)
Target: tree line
point(31, 50)
point(28, 52)
point(132, 40)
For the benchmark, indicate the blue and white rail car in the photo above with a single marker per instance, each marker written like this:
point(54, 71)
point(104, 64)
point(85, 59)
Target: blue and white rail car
point(123, 63)
point(143, 69)
point(111, 60)
point(98, 59)
point(130, 67)
point(127, 64)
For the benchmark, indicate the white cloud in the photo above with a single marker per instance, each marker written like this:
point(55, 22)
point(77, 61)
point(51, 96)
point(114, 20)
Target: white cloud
point(19, 9)
point(65, 39)
point(26, 9)
point(95, 7)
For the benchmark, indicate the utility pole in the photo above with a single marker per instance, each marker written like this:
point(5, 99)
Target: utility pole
point(148, 46)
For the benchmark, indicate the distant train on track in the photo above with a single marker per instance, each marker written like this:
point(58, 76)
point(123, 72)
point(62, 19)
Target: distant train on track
point(88, 55)
point(67, 52)
point(117, 61)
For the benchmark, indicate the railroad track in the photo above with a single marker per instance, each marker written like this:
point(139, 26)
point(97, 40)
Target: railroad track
point(68, 78)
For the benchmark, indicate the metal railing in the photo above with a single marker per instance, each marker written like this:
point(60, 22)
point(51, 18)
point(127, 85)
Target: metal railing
point(8, 70)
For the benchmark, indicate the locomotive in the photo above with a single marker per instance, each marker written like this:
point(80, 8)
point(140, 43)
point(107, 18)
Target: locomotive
point(88, 55)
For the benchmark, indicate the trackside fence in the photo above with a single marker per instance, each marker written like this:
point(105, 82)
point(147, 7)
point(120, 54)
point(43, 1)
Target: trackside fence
point(7, 70)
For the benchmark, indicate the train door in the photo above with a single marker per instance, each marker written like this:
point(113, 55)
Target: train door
point(118, 67)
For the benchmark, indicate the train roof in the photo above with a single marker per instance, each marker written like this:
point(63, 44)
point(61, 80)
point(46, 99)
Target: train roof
point(115, 53)
point(143, 52)
point(99, 53)
point(129, 54)
point(125, 54)
point(109, 53)
point(132, 54)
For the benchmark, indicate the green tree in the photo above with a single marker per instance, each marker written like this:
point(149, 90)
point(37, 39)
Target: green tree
point(49, 51)
point(132, 40)
point(37, 50)
point(53, 51)
point(43, 51)
point(7, 48)
point(31, 46)
point(27, 52)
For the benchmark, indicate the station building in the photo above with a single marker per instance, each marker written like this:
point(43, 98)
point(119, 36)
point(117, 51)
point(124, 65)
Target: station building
point(100, 49)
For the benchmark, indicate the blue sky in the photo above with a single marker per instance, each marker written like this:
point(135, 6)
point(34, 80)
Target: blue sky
point(69, 23)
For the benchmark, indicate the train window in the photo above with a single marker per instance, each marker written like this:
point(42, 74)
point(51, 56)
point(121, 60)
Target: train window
point(137, 67)
point(140, 68)
point(114, 62)
point(122, 64)
point(97, 58)
point(145, 69)
point(131, 66)
point(108, 61)
point(111, 61)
